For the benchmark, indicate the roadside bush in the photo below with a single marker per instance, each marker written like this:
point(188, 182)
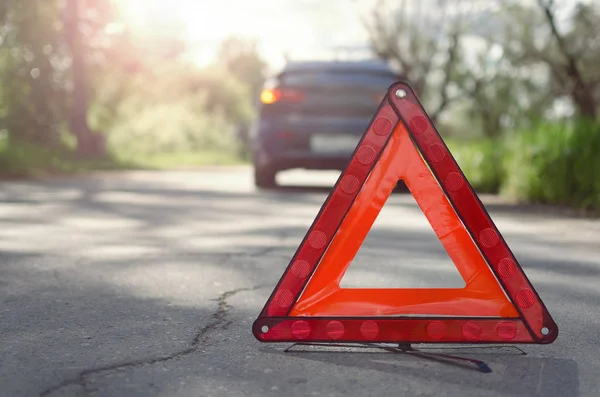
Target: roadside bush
point(555, 163)
point(22, 158)
point(176, 110)
point(480, 161)
point(586, 164)
point(175, 127)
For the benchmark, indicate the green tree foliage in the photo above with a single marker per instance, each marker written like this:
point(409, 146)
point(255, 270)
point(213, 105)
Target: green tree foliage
point(525, 63)
point(73, 72)
point(569, 55)
point(240, 57)
point(501, 96)
point(421, 41)
point(44, 69)
point(173, 107)
point(32, 71)
point(524, 78)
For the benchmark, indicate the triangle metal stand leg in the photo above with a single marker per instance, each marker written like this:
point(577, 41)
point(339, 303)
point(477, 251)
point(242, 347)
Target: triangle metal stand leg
point(407, 348)
point(443, 358)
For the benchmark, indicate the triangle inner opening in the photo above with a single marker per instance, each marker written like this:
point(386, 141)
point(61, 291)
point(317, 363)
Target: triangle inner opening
point(402, 251)
point(325, 295)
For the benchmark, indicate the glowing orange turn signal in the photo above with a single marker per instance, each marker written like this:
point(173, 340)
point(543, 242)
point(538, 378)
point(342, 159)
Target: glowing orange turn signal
point(269, 96)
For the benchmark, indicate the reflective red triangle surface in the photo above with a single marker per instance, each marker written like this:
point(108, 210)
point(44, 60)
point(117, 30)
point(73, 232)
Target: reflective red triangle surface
point(498, 303)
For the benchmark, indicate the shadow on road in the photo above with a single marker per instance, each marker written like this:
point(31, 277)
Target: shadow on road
point(545, 376)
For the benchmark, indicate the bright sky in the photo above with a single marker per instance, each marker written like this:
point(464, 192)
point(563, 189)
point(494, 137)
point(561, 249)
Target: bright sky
point(301, 27)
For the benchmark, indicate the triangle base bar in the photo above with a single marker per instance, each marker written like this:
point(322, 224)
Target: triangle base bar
point(392, 330)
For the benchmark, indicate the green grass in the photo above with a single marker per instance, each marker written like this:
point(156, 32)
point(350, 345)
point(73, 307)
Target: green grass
point(175, 135)
point(181, 159)
point(555, 163)
point(20, 159)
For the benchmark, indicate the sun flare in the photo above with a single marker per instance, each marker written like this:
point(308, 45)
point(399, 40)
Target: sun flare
point(199, 23)
point(148, 14)
point(200, 20)
point(300, 26)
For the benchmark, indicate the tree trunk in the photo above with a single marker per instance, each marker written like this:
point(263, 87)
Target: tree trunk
point(581, 94)
point(89, 143)
point(584, 100)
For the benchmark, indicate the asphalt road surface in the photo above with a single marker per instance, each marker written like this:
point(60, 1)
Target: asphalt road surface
point(147, 283)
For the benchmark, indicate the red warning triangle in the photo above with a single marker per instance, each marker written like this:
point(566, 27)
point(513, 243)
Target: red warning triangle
point(498, 303)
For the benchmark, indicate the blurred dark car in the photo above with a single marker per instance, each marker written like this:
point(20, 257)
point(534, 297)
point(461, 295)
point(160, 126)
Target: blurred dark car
point(313, 114)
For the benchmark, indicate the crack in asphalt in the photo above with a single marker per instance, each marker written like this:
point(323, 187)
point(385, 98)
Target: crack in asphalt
point(218, 322)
